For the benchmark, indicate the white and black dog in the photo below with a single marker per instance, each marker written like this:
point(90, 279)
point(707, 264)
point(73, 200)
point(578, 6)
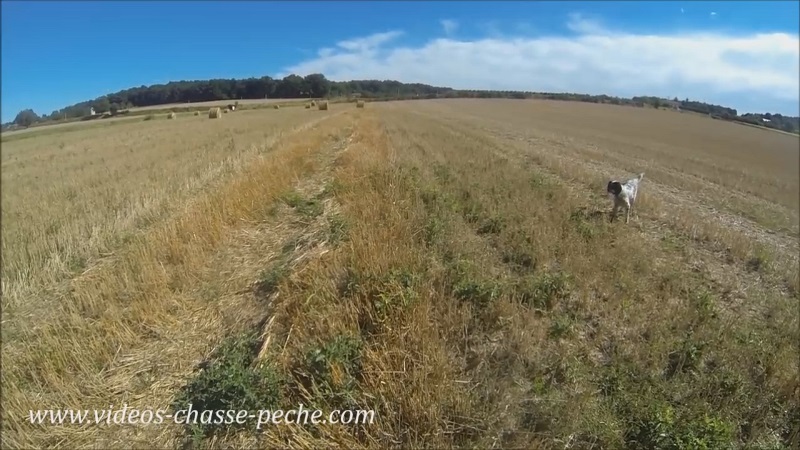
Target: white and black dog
point(624, 195)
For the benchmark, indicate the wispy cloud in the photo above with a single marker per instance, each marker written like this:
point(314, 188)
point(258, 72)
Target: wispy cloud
point(583, 25)
point(682, 11)
point(449, 26)
point(492, 28)
point(524, 28)
point(369, 42)
point(713, 14)
point(708, 65)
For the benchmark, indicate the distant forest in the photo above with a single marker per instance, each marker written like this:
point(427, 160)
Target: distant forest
point(317, 86)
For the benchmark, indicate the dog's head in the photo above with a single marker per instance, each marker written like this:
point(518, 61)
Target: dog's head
point(614, 188)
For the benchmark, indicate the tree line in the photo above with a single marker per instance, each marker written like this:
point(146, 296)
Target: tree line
point(317, 86)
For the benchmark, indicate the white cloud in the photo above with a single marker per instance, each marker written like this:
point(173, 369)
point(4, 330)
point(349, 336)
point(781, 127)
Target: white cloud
point(713, 14)
point(682, 11)
point(449, 26)
point(706, 66)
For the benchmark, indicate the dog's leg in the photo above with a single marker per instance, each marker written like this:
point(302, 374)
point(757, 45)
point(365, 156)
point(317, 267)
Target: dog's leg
point(627, 214)
point(613, 212)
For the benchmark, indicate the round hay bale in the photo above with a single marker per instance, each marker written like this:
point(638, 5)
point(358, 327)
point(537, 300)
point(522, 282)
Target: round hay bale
point(313, 103)
point(360, 104)
point(323, 106)
point(224, 111)
point(197, 113)
point(214, 113)
point(308, 106)
point(171, 115)
point(277, 106)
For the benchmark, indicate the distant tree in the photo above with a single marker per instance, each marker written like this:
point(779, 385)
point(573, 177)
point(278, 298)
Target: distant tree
point(101, 105)
point(318, 85)
point(291, 86)
point(26, 118)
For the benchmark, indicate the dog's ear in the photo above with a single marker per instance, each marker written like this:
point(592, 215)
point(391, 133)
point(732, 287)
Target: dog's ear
point(614, 187)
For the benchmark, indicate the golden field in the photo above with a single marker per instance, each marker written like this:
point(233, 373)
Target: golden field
point(448, 264)
point(221, 103)
point(140, 113)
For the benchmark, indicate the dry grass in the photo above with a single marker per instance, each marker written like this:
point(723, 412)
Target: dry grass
point(214, 113)
point(103, 324)
point(323, 105)
point(448, 265)
point(117, 182)
point(360, 104)
point(138, 114)
point(495, 305)
point(61, 127)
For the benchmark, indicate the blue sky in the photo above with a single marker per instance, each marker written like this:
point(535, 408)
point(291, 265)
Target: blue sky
point(739, 54)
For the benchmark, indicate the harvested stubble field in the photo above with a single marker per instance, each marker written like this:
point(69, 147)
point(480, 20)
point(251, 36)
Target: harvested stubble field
point(141, 113)
point(221, 103)
point(447, 264)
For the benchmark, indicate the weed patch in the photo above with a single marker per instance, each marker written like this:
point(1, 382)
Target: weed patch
point(492, 225)
point(521, 259)
point(561, 326)
point(383, 293)
point(231, 381)
point(470, 286)
point(435, 228)
point(337, 229)
point(588, 224)
point(270, 278)
point(543, 291)
point(308, 207)
point(334, 369)
point(661, 427)
point(686, 358)
point(332, 188)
